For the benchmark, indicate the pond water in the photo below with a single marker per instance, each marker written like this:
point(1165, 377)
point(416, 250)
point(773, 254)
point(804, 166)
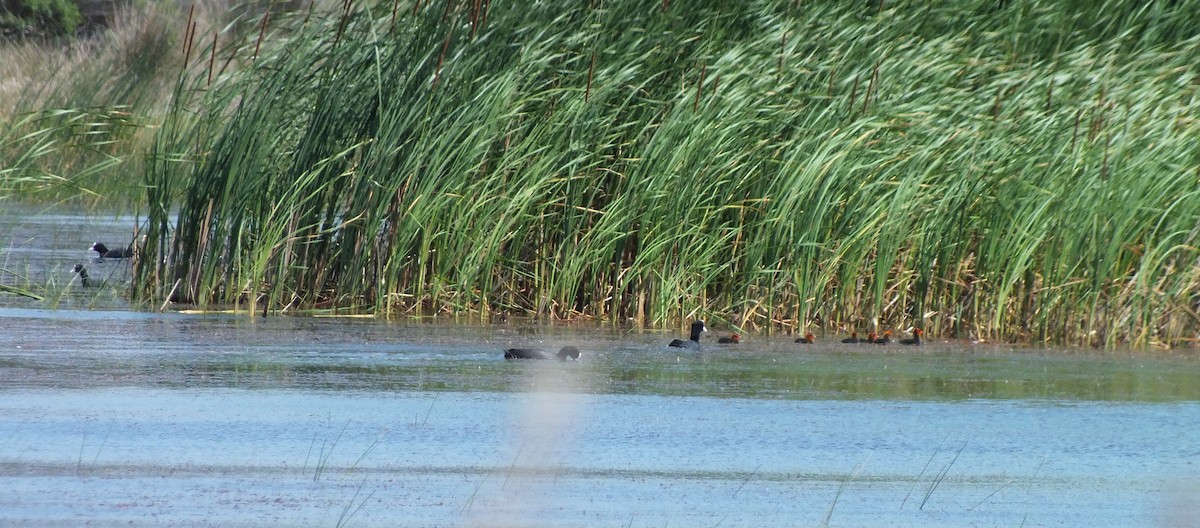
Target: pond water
point(116, 417)
point(39, 247)
point(131, 418)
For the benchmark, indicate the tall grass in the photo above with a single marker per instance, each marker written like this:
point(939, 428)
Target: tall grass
point(58, 152)
point(77, 115)
point(980, 169)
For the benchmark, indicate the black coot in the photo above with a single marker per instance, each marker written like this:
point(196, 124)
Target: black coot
point(693, 341)
point(83, 275)
point(104, 252)
point(533, 353)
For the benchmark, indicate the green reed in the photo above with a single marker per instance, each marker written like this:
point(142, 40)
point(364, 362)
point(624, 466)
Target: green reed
point(60, 152)
point(1004, 172)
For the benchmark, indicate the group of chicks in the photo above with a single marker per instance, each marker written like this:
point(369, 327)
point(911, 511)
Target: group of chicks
point(875, 338)
point(732, 339)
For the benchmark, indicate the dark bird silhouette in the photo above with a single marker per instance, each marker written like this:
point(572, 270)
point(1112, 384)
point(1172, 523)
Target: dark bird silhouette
point(808, 339)
point(852, 339)
point(733, 339)
point(104, 252)
point(693, 342)
point(533, 353)
point(883, 339)
point(916, 338)
point(83, 275)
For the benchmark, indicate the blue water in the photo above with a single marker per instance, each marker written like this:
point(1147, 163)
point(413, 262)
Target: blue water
point(143, 454)
point(121, 418)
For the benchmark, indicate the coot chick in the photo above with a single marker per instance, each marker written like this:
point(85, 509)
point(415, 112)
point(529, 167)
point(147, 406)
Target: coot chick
point(733, 339)
point(83, 275)
point(533, 353)
point(883, 339)
point(916, 338)
point(693, 342)
point(808, 339)
point(104, 252)
point(852, 339)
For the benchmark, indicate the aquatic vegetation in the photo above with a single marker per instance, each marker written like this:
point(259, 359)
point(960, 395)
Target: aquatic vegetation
point(4, 288)
point(56, 152)
point(979, 170)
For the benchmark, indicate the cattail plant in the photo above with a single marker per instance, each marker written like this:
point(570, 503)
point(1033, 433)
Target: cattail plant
point(1032, 179)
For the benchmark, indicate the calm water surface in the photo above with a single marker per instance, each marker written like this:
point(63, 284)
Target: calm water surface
point(122, 417)
point(116, 417)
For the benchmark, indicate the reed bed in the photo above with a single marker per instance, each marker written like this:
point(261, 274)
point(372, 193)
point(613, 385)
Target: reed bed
point(978, 169)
